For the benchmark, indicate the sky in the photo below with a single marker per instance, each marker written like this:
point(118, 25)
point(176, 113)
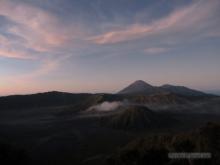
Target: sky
point(104, 45)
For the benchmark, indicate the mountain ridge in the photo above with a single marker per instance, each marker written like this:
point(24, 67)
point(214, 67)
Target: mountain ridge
point(141, 92)
point(141, 87)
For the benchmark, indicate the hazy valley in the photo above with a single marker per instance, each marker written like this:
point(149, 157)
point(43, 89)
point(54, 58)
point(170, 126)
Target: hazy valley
point(65, 128)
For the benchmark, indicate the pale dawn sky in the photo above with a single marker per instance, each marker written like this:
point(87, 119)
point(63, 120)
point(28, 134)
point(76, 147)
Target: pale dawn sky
point(103, 45)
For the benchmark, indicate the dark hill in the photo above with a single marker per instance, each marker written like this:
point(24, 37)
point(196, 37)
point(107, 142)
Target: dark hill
point(181, 90)
point(77, 102)
point(160, 98)
point(41, 100)
point(135, 117)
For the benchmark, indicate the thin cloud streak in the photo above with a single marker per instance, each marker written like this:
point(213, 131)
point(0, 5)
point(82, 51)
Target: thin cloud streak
point(7, 50)
point(22, 81)
point(15, 54)
point(47, 66)
point(155, 50)
point(196, 16)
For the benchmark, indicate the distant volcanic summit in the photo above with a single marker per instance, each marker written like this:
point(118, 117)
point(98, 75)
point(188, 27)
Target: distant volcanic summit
point(141, 87)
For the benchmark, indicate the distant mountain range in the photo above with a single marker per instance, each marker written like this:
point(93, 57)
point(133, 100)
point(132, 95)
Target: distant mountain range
point(141, 87)
point(138, 92)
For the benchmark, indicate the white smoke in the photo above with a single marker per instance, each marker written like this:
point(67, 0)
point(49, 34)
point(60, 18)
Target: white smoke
point(107, 106)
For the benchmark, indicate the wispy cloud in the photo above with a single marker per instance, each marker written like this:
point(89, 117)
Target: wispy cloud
point(196, 17)
point(155, 50)
point(8, 50)
point(14, 54)
point(36, 33)
point(36, 26)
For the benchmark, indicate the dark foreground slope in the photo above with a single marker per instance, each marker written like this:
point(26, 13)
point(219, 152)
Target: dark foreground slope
point(155, 149)
point(43, 136)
